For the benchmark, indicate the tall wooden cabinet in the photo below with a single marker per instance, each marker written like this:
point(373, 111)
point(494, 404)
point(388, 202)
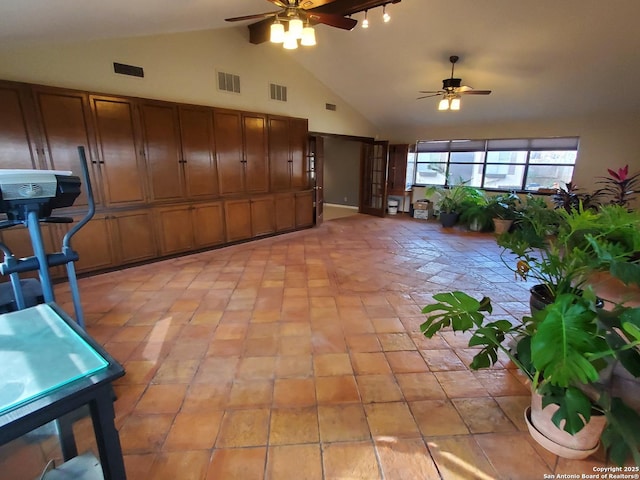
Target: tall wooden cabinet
point(397, 174)
point(168, 178)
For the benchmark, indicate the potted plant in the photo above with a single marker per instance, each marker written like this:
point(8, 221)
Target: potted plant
point(449, 201)
point(476, 214)
point(568, 343)
point(619, 187)
point(503, 208)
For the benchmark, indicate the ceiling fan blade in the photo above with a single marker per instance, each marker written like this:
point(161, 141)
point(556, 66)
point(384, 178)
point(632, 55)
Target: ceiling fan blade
point(428, 96)
point(252, 17)
point(475, 92)
point(332, 20)
point(281, 4)
point(438, 92)
point(309, 4)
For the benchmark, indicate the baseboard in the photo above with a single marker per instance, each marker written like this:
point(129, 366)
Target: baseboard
point(340, 206)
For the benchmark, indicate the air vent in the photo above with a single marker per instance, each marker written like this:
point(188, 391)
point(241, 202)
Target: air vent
point(130, 70)
point(228, 82)
point(278, 92)
point(330, 106)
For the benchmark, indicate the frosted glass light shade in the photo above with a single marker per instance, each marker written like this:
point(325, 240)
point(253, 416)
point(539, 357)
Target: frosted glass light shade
point(444, 104)
point(290, 42)
point(277, 32)
point(295, 27)
point(455, 103)
point(308, 36)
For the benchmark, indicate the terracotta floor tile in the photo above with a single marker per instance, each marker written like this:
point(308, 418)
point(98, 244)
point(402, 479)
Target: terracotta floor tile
point(295, 346)
point(505, 451)
point(225, 348)
point(293, 425)
point(513, 408)
point(250, 393)
point(257, 368)
point(387, 325)
point(191, 465)
point(392, 342)
point(500, 383)
point(216, 369)
point(294, 366)
point(144, 433)
point(328, 364)
point(437, 418)
point(300, 462)
point(367, 342)
point(138, 466)
point(261, 347)
point(294, 392)
point(406, 362)
point(442, 360)
point(339, 389)
point(460, 384)
point(176, 371)
point(378, 388)
point(405, 459)
point(205, 397)
point(420, 386)
point(483, 415)
point(370, 363)
point(460, 458)
point(137, 372)
point(240, 463)
point(393, 419)
point(353, 461)
point(243, 428)
point(161, 399)
point(193, 431)
point(342, 423)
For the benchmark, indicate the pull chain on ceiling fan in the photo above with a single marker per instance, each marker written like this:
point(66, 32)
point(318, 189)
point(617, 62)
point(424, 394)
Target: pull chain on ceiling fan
point(452, 89)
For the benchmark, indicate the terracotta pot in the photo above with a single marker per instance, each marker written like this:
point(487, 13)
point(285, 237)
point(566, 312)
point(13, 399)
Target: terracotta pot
point(556, 440)
point(501, 226)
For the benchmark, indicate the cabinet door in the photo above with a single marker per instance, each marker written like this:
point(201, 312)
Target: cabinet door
point(174, 229)
point(121, 168)
point(18, 240)
point(162, 149)
point(279, 155)
point(255, 153)
point(65, 124)
point(285, 211)
point(397, 169)
point(263, 220)
point(304, 209)
point(298, 137)
point(208, 224)
point(94, 246)
point(237, 215)
point(133, 236)
point(229, 155)
point(18, 137)
point(198, 152)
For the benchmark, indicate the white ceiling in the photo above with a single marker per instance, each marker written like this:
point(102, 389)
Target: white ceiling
point(541, 58)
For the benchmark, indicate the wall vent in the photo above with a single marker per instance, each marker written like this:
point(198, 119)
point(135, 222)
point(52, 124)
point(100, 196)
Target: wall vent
point(278, 92)
point(131, 70)
point(330, 106)
point(228, 82)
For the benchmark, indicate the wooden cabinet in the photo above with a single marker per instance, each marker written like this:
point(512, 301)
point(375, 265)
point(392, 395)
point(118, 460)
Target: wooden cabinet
point(198, 152)
point(133, 236)
point(285, 205)
point(396, 179)
point(287, 153)
point(263, 219)
point(18, 135)
point(94, 245)
point(121, 167)
point(237, 216)
point(304, 208)
point(18, 240)
point(186, 227)
point(241, 151)
point(65, 122)
point(162, 150)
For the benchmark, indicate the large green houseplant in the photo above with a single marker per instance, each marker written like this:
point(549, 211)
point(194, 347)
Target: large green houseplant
point(565, 346)
point(450, 201)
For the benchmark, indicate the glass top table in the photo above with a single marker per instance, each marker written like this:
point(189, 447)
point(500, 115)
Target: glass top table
point(39, 353)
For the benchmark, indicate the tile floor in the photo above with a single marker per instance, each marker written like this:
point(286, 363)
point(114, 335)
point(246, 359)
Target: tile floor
point(300, 357)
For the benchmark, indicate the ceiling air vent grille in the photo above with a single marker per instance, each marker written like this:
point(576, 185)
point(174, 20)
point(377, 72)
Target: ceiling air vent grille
point(228, 82)
point(278, 92)
point(330, 106)
point(131, 70)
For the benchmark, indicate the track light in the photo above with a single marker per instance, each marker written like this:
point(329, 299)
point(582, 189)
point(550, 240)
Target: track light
point(385, 16)
point(365, 22)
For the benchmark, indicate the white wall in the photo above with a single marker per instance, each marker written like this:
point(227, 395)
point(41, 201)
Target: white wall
point(182, 68)
point(605, 141)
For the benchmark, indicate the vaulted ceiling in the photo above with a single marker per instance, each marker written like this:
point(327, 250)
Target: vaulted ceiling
point(540, 58)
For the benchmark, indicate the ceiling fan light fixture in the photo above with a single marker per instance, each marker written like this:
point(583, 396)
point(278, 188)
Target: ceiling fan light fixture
point(443, 104)
point(385, 16)
point(455, 103)
point(290, 42)
point(295, 27)
point(365, 22)
point(308, 36)
point(276, 32)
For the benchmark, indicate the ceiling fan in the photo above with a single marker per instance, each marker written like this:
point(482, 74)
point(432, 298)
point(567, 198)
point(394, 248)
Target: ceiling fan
point(452, 89)
point(303, 10)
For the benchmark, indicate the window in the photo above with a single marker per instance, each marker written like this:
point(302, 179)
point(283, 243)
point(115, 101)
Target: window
point(499, 164)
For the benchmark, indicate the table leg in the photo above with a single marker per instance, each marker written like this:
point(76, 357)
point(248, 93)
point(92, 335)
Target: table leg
point(107, 438)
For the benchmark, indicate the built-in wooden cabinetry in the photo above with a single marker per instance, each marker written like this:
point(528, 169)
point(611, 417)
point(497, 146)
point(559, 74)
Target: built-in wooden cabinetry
point(397, 174)
point(167, 178)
